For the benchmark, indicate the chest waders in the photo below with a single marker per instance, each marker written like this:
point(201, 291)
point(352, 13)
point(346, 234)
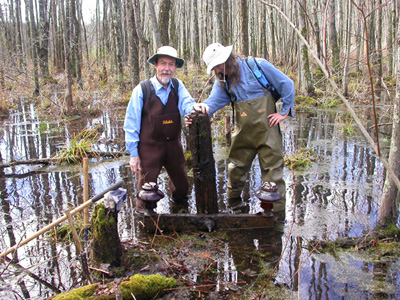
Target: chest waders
point(253, 136)
point(160, 146)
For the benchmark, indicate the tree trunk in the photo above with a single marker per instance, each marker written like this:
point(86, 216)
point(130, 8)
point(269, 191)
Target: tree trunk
point(163, 21)
point(118, 40)
point(225, 26)
point(195, 34)
point(156, 31)
point(57, 38)
point(76, 49)
point(20, 49)
point(389, 209)
point(143, 43)
point(133, 41)
point(244, 33)
point(333, 39)
point(35, 47)
point(306, 79)
point(219, 35)
point(348, 50)
point(378, 62)
point(44, 28)
point(67, 50)
point(203, 164)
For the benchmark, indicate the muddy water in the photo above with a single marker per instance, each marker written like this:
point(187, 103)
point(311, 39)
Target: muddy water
point(338, 195)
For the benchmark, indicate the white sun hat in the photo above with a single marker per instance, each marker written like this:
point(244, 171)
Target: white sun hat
point(216, 54)
point(167, 51)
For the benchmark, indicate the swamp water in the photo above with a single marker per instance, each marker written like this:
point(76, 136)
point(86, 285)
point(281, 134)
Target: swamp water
point(336, 196)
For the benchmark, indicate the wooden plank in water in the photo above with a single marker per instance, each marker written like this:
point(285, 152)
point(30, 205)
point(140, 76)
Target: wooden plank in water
point(202, 222)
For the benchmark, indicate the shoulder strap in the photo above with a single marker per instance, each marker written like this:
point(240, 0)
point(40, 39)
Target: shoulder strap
point(147, 88)
point(258, 73)
point(262, 79)
point(175, 83)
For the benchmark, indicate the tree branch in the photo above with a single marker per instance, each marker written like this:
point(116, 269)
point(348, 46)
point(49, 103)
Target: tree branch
point(339, 93)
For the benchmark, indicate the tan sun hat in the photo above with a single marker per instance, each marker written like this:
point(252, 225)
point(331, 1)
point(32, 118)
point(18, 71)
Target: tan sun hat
point(167, 51)
point(216, 54)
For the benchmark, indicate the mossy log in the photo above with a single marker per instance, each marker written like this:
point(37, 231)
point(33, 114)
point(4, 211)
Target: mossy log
point(106, 245)
point(203, 164)
point(141, 286)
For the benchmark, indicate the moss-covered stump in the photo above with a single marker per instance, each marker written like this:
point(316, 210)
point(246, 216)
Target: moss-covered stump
point(106, 245)
point(77, 294)
point(146, 287)
point(142, 287)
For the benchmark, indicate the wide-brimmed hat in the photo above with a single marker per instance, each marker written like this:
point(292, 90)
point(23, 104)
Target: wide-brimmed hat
point(167, 51)
point(216, 54)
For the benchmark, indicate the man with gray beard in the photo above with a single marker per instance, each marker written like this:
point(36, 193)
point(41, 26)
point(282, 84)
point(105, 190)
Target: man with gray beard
point(153, 126)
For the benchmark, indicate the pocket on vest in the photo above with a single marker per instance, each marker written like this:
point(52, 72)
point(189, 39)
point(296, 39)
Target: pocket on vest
point(166, 127)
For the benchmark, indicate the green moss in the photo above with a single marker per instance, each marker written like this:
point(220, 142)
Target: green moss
point(299, 159)
point(77, 294)
point(330, 103)
point(391, 230)
point(305, 102)
point(146, 287)
point(105, 234)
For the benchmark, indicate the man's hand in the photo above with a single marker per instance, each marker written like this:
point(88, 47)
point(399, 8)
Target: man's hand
point(134, 163)
point(201, 107)
point(276, 118)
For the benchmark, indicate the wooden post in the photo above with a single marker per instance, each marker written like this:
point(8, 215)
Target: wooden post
point(78, 246)
point(85, 171)
point(228, 130)
point(203, 164)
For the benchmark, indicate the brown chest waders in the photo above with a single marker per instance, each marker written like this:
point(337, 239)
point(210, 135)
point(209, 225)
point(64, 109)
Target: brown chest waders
point(160, 146)
point(253, 136)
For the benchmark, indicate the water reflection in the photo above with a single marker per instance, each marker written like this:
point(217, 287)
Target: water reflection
point(338, 195)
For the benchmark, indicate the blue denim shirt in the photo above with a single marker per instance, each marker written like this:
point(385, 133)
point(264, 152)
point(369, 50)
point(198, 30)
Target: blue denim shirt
point(133, 117)
point(249, 88)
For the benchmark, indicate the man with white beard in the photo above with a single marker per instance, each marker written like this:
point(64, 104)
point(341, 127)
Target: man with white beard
point(153, 126)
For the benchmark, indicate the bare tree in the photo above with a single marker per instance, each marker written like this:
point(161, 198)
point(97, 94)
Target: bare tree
point(389, 208)
point(244, 19)
point(153, 18)
point(333, 37)
point(195, 34)
point(35, 46)
point(305, 80)
point(116, 8)
point(133, 41)
point(66, 15)
point(218, 22)
point(163, 21)
point(43, 45)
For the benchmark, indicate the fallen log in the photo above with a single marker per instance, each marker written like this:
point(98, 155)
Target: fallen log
point(52, 160)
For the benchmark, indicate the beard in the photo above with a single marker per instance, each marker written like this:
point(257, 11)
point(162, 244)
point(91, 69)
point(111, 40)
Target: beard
point(165, 79)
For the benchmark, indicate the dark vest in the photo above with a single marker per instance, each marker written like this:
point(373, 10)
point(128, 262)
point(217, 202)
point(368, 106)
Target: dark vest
point(159, 122)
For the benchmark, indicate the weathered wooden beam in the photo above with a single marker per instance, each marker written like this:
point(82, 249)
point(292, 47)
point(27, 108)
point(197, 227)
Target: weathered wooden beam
point(202, 222)
point(203, 164)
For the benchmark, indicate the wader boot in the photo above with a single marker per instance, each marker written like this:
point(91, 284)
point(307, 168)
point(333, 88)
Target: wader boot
point(253, 136)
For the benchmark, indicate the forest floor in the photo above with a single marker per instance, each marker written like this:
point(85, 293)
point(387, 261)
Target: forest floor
point(189, 256)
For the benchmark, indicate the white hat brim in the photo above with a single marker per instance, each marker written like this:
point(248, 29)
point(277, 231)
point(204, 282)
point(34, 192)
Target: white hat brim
point(220, 59)
point(179, 61)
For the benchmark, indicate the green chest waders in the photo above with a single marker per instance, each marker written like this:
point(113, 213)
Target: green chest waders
point(253, 136)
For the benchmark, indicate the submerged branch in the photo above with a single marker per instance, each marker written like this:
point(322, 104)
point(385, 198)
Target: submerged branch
point(49, 161)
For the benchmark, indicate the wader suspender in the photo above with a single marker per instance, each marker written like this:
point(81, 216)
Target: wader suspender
point(148, 88)
point(233, 98)
point(262, 79)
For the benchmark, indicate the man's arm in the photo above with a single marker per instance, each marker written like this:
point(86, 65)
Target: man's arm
point(133, 119)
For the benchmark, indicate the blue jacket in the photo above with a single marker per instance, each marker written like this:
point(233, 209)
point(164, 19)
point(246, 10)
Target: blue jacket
point(249, 88)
